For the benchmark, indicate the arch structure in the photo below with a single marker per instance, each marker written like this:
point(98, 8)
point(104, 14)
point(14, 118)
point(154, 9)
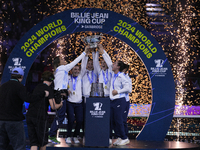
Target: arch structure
point(121, 27)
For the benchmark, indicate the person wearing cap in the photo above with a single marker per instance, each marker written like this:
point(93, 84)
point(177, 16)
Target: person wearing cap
point(12, 96)
point(36, 117)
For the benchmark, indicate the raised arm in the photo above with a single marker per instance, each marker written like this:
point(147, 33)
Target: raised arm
point(84, 61)
point(96, 63)
point(69, 66)
point(106, 57)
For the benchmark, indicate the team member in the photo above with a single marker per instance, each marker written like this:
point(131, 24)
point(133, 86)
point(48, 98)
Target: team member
point(118, 89)
point(12, 96)
point(89, 77)
point(36, 117)
point(125, 115)
point(89, 73)
point(60, 84)
point(74, 105)
point(105, 71)
point(125, 71)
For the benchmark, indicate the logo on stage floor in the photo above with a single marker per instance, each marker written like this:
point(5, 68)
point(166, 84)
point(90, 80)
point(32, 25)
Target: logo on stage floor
point(97, 112)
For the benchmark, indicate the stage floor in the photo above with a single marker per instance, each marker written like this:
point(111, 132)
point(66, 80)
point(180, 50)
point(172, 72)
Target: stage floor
point(134, 144)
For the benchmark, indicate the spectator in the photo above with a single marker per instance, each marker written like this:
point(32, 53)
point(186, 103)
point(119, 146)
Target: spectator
point(12, 96)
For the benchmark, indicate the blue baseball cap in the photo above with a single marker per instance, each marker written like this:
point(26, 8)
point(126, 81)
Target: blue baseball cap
point(18, 71)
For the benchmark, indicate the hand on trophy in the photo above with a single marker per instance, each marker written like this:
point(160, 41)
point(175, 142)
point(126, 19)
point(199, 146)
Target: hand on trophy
point(100, 48)
point(87, 50)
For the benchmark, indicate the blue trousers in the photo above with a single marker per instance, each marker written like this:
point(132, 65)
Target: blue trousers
point(61, 116)
point(74, 112)
point(117, 108)
point(12, 132)
point(125, 117)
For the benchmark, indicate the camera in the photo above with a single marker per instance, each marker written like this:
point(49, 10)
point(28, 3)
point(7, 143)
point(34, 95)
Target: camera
point(60, 95)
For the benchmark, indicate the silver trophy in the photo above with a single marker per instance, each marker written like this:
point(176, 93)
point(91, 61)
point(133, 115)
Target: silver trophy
point(92, 40)
point(97, 90)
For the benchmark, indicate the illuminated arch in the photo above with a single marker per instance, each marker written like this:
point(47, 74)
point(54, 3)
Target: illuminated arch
point(127, 30)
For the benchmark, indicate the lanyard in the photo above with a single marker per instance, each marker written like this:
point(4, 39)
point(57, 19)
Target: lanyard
point(105, 78)
point(74, 83)
point(114, 78)
point(90, 79)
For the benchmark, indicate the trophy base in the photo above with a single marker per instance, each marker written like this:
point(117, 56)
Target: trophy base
point(96, 94)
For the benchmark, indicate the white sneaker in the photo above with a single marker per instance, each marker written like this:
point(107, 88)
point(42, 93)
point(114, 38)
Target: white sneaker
point(110, 141)
point(76, 141)
point(68, 140)
point(124, 142)
point(117, 141)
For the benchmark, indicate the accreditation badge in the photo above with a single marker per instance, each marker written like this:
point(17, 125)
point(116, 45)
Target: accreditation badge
point(74, 93)
point(105, 87)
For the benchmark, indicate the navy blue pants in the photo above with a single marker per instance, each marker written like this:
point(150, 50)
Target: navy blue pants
point(117, 108)
point(12, 132)
point(125, 117)
point(74, 112)
point(61, 116)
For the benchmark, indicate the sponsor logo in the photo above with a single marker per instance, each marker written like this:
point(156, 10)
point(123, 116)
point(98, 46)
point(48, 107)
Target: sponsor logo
point(159, 62)
point(97, 112)
point(89, 20)
point(97, 106)
point(159, 70)
point(92, 26)
point(16, 63)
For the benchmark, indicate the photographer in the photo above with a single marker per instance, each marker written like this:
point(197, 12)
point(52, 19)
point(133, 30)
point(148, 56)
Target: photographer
point(37, 113)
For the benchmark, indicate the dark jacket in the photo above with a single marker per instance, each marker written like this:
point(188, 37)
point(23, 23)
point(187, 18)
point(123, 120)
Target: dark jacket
point(39, 108)
point(12, 96)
